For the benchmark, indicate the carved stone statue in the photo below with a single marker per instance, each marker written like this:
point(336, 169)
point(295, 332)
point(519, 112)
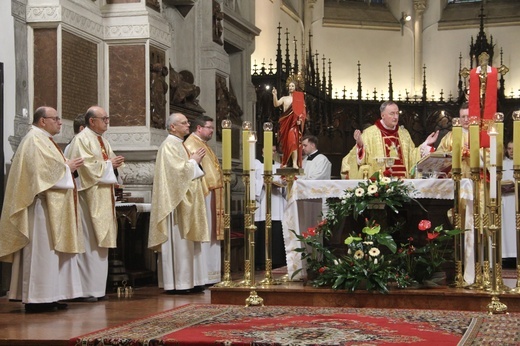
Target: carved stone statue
point(158, 90)
point(227, 104)
point(182, 90)
point(218, 16)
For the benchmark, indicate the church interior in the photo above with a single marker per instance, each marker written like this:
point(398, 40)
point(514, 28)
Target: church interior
point(143, 60)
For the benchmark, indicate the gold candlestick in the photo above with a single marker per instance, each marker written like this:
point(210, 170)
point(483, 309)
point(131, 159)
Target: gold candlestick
point(477, 224)
point(458, 241)
point(226, 281)
point(254, 299)
point(516, 175)
point(247, 221)
point(268, 279)
point(495, 306)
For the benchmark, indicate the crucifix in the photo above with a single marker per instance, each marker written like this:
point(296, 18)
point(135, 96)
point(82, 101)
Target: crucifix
point(484, 72)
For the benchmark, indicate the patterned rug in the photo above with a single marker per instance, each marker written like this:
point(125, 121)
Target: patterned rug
point(204, 324)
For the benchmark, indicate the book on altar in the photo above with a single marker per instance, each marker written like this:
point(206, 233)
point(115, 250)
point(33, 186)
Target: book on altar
point(435, 165)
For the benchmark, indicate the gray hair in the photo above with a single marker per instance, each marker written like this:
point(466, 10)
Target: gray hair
point(172, 119)
point(386, 104)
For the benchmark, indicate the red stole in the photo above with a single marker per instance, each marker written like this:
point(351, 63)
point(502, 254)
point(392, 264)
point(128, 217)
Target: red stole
point(103, 149)
point(392, 146)
point(490, 102)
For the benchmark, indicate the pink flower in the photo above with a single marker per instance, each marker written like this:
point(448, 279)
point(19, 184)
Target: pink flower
point(425, 225)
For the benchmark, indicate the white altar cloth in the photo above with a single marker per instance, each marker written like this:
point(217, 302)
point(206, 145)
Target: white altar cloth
point(304, 208)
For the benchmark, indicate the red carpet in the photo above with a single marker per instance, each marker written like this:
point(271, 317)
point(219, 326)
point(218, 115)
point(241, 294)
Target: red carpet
point(196, 324)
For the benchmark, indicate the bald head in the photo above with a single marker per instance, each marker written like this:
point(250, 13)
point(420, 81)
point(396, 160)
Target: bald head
point(96, 119)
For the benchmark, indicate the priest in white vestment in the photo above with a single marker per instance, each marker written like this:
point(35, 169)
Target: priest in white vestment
point(178, 222)
point(316, 166)
point(212, 185)
point(96, 199)
point(39, 229)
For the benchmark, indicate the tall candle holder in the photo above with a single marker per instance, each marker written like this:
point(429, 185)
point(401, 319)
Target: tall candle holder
point(253, 299)
point(495, 306)
point(499, 127)
point(268, 183)
point(226, 165)
point(457, 175)
point(477, 221)
point(246, 128)
point(485, 240)
point(516, 175)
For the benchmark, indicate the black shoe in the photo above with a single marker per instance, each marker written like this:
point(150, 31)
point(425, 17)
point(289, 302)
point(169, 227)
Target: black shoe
point(175, 292)
point(60, 306)
point(81, 300)
point(40, 307)
point(198, 289)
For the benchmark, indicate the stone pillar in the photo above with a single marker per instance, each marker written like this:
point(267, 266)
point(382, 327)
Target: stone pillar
point(419, 7)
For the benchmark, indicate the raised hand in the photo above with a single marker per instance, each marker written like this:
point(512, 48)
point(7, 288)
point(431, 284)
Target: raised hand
point(432, 138)
point(358, 138)
point(198, 155)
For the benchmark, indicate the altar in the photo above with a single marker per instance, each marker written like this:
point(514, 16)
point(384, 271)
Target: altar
point(306, 203)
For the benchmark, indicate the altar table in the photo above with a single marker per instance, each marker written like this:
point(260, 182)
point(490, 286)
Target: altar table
point(306, 198)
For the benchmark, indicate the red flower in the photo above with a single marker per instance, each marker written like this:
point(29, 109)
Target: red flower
point(425, 225)
point(410, 239)
point(322, 223)
point(432, 235)
point(322, 269)
point(311, 231)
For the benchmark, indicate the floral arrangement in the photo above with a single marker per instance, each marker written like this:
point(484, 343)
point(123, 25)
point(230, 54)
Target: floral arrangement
point(431, 257)
point(372, 260)
point(385, 191)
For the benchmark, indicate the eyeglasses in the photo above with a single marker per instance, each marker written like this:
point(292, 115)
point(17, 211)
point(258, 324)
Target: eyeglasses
point(209, 127)
point(53, 118)
point(105, 119)
point(184, 123)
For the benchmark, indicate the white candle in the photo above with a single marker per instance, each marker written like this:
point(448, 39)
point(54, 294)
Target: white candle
point(493, 163)
point(252, 156)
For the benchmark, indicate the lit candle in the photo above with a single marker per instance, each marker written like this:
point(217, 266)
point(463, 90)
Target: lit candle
point(246, 126)
point(474, 142)
point(226, 144)
point(456, 146)
point(268, 147)
point(516, 138)
point(492, 161)
point(252, 156)
point(499, 122)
